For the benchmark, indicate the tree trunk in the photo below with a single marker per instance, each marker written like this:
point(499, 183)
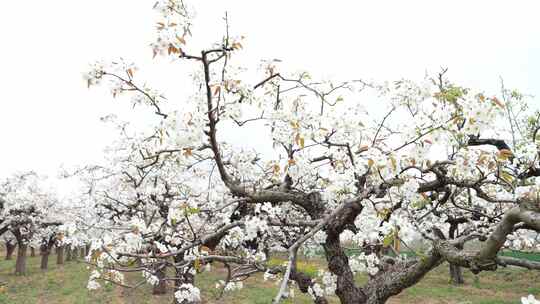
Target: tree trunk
point(74, 254)
point(69, 254)
point(44, 260)
point(161, 286)
point(82, 252)
point(456, 275)
point(10, 248)
point(338, 264)
point(87, 249)
point(60, 255)
point(32, 252)
point(20, 264)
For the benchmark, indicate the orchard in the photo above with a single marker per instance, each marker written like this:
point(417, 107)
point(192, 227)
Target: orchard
point(349, 171)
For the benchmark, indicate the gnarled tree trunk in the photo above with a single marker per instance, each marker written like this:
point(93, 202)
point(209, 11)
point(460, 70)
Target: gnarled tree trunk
point(338, 264)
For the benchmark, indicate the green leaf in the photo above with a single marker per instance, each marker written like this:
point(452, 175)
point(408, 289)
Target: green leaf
point(192, 210)
point(507, 177)
point(388, 240)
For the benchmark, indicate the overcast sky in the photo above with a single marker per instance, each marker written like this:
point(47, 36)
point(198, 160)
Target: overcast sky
point(49, 117)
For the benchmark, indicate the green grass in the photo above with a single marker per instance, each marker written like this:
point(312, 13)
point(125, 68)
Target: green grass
point(532, 256)
point(309, 268)
point(67, 284)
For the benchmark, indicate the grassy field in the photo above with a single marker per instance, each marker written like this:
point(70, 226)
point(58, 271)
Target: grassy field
point(66, 284)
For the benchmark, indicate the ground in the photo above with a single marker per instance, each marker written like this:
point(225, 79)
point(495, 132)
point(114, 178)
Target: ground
point(67, 284)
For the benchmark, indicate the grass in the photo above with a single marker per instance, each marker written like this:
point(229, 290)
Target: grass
point(533, 256)
point(66, 284)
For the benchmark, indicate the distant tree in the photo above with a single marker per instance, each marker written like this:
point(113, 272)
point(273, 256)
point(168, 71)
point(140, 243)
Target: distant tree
point(25, 212)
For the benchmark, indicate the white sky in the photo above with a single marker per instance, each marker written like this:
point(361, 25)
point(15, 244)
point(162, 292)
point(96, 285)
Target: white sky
point(49, 117)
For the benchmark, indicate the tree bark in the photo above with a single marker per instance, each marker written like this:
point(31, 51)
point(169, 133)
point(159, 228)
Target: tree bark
point(44, 260)
point(456, 275)
point(10, 248)
point(82, 252)
point(60, 255)
point(398, 277)
point(69, 254)
point(20, 264)
point(338, 264)
point(32, 252)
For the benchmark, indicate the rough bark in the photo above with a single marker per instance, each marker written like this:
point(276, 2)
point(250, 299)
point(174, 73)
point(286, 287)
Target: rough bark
point(60, 255)
point(20, 264)
point(505, 261)
point(338, 264)
point(456, 275)
point(398, 277)
point(10, 248)
point(44, 260)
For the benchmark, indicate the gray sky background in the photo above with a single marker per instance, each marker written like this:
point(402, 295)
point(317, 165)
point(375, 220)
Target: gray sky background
point(49, 117)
